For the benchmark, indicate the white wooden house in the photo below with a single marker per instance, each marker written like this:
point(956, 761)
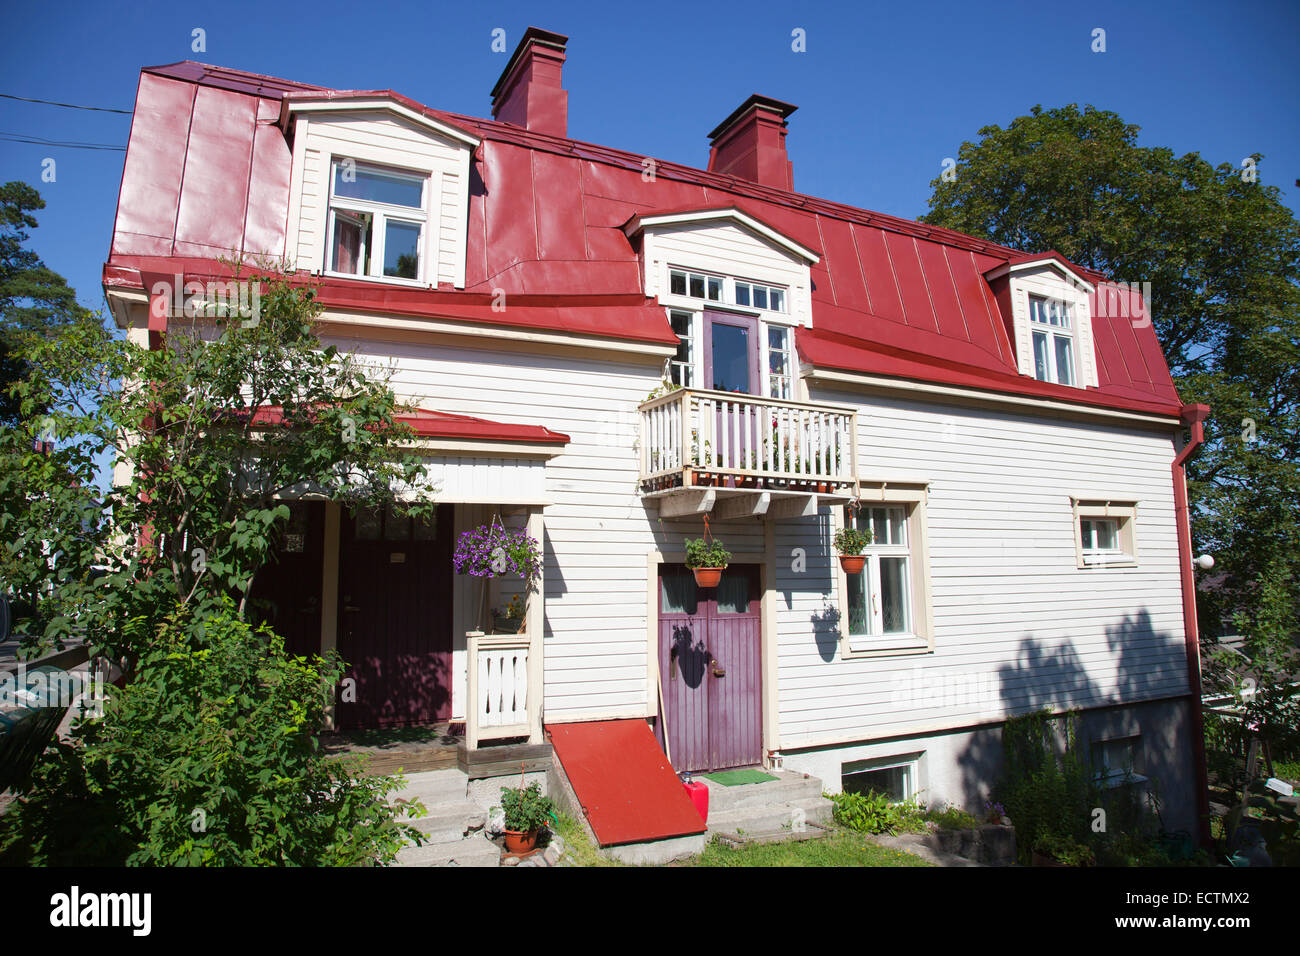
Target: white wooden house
point(1005, 423)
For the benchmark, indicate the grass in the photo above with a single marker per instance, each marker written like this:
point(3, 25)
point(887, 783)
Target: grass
point(840, 848)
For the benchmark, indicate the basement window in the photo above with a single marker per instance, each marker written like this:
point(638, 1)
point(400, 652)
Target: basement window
point(1119, 761)
point(895, 777)
point(376, 222)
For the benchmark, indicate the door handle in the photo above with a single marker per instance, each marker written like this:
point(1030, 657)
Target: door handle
point(672, 664)
point(717, 671)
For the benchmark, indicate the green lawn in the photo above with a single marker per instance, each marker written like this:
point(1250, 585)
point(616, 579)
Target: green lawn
point(840, 848)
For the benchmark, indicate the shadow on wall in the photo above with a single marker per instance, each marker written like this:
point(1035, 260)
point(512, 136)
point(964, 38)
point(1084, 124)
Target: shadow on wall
point(1147, 664)
point(553, 584)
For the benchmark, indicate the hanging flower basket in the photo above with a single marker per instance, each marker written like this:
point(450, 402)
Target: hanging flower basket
point(707, 558)
point(849, 542)
point(491, 550)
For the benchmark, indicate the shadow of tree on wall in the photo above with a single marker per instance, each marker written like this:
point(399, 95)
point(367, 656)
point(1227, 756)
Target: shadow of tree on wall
point(1147, 664)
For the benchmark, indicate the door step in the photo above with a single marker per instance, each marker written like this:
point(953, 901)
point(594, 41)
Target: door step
point(453, 824)
point(790, 807)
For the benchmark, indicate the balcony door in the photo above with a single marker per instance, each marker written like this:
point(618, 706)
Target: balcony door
point(731, 364)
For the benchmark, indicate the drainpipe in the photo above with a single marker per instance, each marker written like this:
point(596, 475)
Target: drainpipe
point(1192, 416)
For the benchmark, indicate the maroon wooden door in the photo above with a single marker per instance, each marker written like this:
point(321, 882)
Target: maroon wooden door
point(395, 605)
point(286, 593)
point(710, 669)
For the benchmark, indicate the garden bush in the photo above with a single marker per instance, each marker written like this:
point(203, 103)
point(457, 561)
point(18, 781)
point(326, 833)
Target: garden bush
point(208, 757)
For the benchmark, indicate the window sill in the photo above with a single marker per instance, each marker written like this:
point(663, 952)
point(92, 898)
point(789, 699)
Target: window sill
point(1119, 778)
point(378, 280)
point(1115, 561)
point(884, 645)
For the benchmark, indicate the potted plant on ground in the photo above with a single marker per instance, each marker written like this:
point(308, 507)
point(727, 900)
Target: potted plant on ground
point(849, 542)
point(707, 558)
point(526, 811)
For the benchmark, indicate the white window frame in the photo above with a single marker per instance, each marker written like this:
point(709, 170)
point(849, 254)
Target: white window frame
point(909, 763)
point(1123, 513)
point(910, 497)
point(381, 214)
point(688, 372)
point(791, 376)
point(1050, 333)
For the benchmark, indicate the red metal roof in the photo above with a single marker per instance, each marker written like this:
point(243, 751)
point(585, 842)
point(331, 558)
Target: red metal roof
point(895, 297)
point(432, 424)
point(626, 785)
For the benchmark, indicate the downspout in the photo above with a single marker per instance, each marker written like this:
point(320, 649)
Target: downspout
point(1192, 416)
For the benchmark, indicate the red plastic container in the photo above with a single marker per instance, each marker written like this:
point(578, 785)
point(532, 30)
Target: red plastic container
point(699, 794)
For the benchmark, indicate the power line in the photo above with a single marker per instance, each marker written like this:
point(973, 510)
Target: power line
point(37, 141)
point(69, 106)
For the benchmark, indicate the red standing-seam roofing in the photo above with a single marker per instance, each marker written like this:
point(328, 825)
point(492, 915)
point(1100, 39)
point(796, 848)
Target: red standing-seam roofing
point(208, 169)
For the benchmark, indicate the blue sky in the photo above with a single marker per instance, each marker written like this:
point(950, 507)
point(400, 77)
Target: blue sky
point(885, 91)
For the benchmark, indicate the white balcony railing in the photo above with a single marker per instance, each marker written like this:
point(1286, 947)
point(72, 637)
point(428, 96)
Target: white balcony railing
point(769, 441)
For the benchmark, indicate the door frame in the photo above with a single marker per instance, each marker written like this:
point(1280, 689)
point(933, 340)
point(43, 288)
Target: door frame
point(751, 324)
point(766, 562)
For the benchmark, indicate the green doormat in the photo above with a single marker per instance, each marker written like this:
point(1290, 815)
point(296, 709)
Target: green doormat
point(735, 778)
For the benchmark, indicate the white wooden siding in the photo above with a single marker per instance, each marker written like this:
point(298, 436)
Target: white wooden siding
point(1012, 612)
point(1017, 625)
point(385, 140)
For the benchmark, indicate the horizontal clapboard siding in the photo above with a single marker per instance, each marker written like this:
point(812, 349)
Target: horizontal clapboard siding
point(1016, 624)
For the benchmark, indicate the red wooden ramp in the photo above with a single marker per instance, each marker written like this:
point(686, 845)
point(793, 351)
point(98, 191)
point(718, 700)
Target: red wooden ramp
point(624, 782)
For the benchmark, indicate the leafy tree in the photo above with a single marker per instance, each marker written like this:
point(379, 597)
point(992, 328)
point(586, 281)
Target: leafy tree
point(208, 758)
point(33, 298)
point(1222, 256)
point(207, 435)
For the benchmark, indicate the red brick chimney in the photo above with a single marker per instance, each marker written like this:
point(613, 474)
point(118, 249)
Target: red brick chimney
point(528, 93)
point(750, 143)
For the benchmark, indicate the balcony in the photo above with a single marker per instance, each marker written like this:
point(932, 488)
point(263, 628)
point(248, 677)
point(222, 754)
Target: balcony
point(775, 457)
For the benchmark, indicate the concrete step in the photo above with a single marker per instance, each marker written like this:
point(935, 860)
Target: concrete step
point(435, 786)
point(473, 850)
point(449, 821)
point(773, 817)
point(788, 786)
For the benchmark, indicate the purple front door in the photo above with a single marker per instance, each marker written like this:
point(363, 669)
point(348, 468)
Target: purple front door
point(709, 668)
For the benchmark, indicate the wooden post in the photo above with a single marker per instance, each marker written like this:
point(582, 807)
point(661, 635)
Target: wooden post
point(536, 617)
point(471, 689)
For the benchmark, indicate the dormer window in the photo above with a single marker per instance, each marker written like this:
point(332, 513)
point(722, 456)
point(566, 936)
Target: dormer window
point(1053, 338)
point(760, 296)
point(377, 218)
point(695, 285)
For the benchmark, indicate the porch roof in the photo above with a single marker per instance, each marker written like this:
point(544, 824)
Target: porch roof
point(433, 424)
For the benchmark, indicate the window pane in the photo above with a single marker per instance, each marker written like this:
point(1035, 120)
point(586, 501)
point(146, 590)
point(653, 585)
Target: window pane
point(897, 526)
point(397, 527)
point(1041, 371)
point(777, 337)
point(742, 293)
point(677, 283)
point(697, 286)
point(426, 529)
point(681, 323)
point(777, 301)
point(350, 252)
point(733, 593)
point(715, 287)
point(373, 185)
point(760, 297)
point(879, 526)
point(1106, 535)
point(368, 525)
point(402, 249)
point(858, 620)
point(893, 595)
point(677, 593)
point(1064, 360)
point(891, 781)
point(730, 358)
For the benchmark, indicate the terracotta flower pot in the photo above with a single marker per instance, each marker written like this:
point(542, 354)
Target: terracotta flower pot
point(852, 563)
point(519, 841)
point(707, 577)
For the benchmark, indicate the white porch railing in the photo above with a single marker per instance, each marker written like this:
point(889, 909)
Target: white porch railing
point(499, 687)
point(747, 435)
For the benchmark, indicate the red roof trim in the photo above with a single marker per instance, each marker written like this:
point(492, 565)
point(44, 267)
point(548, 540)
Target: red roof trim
point(431, 424)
